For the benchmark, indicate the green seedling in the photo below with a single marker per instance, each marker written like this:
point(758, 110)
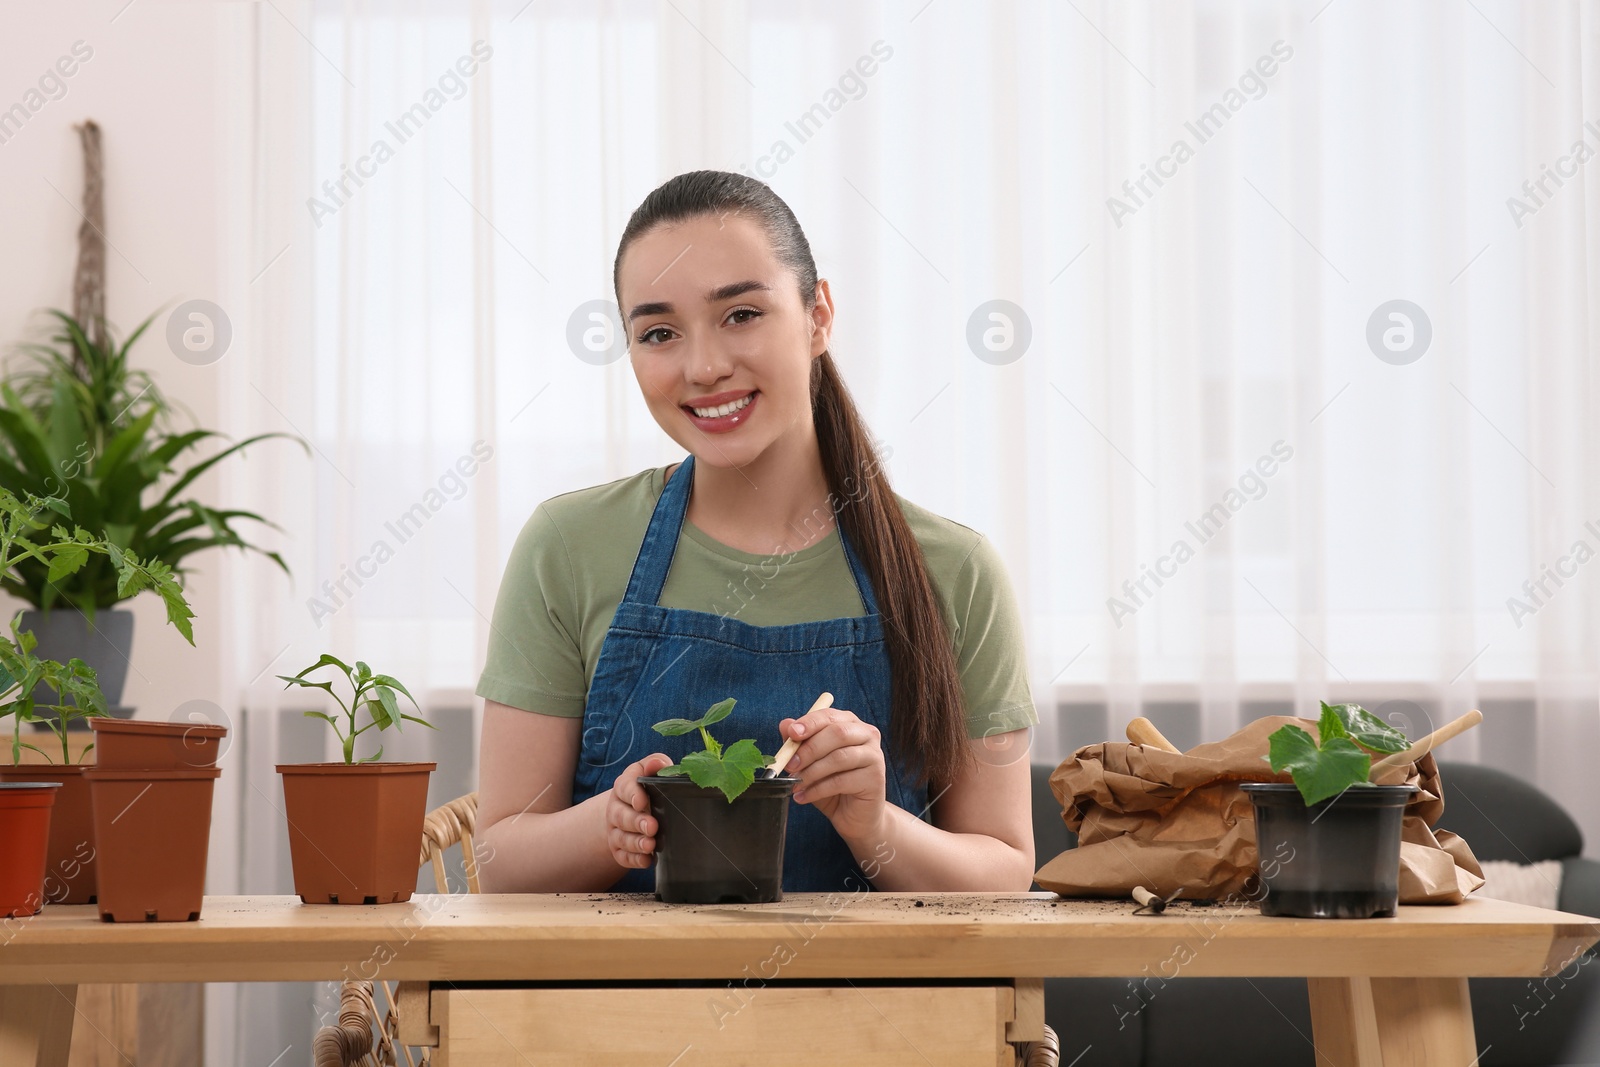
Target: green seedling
point(1348, 733)
point(731, 770)
point(28, 535)
point(373, 692)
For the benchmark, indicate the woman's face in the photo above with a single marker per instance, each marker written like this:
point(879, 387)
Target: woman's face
point(719, 339)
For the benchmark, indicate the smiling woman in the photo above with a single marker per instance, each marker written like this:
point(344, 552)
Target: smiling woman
point(601, 627)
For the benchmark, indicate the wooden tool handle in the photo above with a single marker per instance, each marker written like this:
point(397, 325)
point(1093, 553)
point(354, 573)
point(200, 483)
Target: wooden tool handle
point(1429, 743)
point(1148, 899)
point(1142, 731)
point(786, 753)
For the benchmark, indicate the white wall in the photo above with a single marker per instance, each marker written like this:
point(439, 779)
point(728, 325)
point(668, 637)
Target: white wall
point(149, 83)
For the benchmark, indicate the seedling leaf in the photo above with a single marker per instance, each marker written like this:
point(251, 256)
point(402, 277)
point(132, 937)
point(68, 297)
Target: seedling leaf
point(1319, 773)
point(731, 770)
point(1364, 728)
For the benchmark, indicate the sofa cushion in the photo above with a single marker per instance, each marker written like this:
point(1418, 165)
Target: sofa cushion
point(1538, 885)
point(1504, 818)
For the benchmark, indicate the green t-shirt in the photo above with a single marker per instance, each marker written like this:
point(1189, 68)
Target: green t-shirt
point(569, 570)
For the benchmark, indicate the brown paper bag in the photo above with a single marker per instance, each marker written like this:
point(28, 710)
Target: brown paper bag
point(1168, 821)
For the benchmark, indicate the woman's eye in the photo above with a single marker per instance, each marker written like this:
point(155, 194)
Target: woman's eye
point(645, 337)
point(752, 312)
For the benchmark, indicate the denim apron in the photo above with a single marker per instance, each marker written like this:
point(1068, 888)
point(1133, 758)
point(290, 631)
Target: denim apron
point(663, 663)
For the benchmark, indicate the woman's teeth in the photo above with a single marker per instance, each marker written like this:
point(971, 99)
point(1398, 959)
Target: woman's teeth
point(725, 409)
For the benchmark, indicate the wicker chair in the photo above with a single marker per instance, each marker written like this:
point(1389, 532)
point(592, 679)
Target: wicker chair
point(350, 1043)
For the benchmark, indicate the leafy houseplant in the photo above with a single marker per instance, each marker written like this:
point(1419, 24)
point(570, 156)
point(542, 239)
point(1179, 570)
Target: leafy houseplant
point(720, 830)
point(27, 536)
point(355, 826)
point(80, 425)
point(1340, 832)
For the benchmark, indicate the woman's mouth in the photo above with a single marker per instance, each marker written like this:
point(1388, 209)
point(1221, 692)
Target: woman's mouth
point(729, 412)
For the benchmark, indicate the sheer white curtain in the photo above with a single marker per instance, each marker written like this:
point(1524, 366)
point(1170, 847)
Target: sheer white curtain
point(1198, 323)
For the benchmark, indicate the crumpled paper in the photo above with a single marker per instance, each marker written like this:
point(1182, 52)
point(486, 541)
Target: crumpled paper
point(1166, 821)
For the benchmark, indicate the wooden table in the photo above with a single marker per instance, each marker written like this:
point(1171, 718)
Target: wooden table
point(934, 967)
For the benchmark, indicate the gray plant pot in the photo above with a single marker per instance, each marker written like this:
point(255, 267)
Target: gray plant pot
point(63, 633)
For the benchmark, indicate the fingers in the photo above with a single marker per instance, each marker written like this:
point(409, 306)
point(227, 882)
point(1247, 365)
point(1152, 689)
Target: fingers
point(813, 722)
point(647, 766)
point(630, 835)
point(860, 782)
point(840, 760)
point(630, 828)
point(840, 756)
point(828, 731)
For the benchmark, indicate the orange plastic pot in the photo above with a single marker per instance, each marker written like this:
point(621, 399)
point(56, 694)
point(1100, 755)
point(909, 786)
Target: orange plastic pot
point(134, 743)
point(69, 876)
point(152, 830)
point(355, 829)
point(24, 844)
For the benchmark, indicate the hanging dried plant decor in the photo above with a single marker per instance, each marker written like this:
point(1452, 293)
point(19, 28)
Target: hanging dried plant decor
point(89, 280)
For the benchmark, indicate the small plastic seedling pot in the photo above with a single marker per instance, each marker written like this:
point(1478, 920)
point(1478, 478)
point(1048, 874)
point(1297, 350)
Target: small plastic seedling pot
point(1336, 859)
point(355, 829)
point(24, 844)
point(152, 829)
point(70, 864)
point(711, 851)
point(138, 744)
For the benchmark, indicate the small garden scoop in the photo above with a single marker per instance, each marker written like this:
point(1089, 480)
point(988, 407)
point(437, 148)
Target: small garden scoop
point(786, 753)
point(1429, 743)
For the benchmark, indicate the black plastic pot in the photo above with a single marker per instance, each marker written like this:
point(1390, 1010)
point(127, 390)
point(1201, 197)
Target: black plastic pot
point(1336, 859)
point(711, 851)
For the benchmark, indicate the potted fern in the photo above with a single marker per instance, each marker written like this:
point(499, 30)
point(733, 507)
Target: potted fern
point(721, 829)
point(79, 423)
point(355, 827)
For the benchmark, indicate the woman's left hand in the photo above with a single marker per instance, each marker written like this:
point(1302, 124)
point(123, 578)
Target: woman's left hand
point(841, 770)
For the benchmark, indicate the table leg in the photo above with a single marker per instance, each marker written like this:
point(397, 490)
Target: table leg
point(36, 1024)
point(1392, 1022)
point(1344, 1023)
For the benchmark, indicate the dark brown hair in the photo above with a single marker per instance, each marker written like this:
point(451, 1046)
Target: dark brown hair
point(928, 733)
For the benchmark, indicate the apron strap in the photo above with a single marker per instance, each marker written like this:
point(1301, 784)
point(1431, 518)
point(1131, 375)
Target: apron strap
point(649, 576)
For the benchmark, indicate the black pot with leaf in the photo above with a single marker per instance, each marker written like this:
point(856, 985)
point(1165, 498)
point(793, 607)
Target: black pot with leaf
point(1328, 841)
point(720, 829)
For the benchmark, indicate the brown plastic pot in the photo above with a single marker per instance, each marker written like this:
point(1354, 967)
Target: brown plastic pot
point(69, 876)
point(355, 829)
point(24, 843)
point(152, 829)
point(136, 743)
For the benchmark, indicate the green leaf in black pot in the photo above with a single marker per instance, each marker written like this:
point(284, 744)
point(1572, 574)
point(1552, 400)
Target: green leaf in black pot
point(1319, 773)
point(1364, 728)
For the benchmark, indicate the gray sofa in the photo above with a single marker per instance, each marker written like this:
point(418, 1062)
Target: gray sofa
point(1519, 1023)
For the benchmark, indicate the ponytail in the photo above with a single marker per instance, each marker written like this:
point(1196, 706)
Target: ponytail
point(927, 723)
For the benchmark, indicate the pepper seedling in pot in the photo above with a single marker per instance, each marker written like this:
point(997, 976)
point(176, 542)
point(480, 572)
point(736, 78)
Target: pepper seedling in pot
point(731, 770)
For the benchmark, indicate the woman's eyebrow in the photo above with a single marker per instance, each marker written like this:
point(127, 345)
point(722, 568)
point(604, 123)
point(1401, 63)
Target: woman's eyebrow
point(725, 292)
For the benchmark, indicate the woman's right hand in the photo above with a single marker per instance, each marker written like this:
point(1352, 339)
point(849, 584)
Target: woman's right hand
point(630, 828)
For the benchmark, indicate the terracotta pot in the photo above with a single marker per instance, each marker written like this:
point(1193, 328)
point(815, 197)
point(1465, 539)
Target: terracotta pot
point(69, 868)
point(355, 829)
point(152, 830)
point(24, 844)
point(136, 743)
